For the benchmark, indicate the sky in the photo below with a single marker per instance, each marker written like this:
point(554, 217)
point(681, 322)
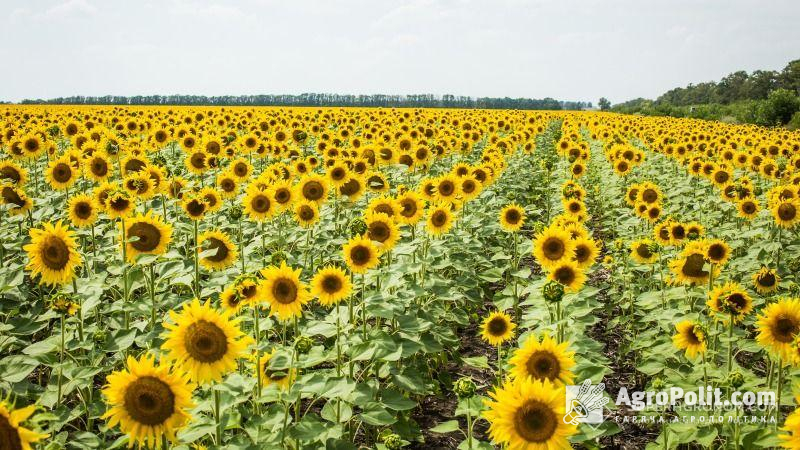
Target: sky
point(565, 49)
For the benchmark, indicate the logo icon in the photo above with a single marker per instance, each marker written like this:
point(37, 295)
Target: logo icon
point(585, 403)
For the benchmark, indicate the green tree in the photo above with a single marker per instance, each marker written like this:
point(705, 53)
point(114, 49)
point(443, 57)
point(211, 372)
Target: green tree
point(780, 106)
point(604, 104)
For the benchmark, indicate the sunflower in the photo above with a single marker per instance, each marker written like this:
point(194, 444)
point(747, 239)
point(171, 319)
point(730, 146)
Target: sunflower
point(497, 328)
point(13, 435)
point(447, 189)
point(766, 280)
point(12, 172)
point(730, 300)
point(353, 188)
point(747, 208)
point(717, 252)
point(82, 211)
point(642, 251)
point(411, 208)
point(661, 232)
point(552, 246)
point(53, 253)
point(569, 274)
point(786, 212)
point(512, 217)
point(527, 414)
point(282, 378)
point(284, 291)
point(690, 337)
point(243, 291)
point(338, 174)
point(98, 167)
point(382, 229)
point(440, 219)
point(258, 204)
point(227, 185)
point(306, 213)
point(689, 266)
point(778, 326)
point(148, 401)
point(543, 360)
point(139, 185)
point(313, 188)
point(283, 194)
point(330, 285)
point(194, 206)
point(384, 204)
point(586, 252)
point(470, 187)
point(211, 197)
point(119, 204)
point(217, 252)
point(146, 234)
point(60, 173)
point(241, 168)
point(196, 161)
point(791, 426)
point(16, 197)
point(203, 341)
point(360, 254)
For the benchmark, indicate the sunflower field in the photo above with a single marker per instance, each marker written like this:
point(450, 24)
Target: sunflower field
point(347, 278)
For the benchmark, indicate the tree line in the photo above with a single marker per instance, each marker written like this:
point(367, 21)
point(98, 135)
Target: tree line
point(316, 99)
point(763, 97)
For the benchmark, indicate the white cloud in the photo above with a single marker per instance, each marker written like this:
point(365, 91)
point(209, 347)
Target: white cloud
point(71, 7)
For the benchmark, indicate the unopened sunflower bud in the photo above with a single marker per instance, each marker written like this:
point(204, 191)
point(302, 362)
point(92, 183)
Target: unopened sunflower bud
point(277, 258)
point(735, 379)
point(303, 344)
point(234, 213)
point(553, 291)
point(464, 387)
point(658, 383)
point(357, 227)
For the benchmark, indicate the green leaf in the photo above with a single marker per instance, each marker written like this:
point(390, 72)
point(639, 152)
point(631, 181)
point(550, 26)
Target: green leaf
point(446, 427)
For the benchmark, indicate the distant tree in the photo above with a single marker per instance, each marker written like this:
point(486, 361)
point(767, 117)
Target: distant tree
point(780, 107)
point(604, 104)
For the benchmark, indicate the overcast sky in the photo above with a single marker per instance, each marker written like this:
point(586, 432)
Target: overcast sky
point(566, 49)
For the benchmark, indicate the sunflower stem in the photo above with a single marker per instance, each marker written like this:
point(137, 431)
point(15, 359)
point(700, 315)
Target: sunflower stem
point(241, 246)
point(730, 343)
point(195, 252)
point(61, 357)
point(152, 286)
point(778, 393)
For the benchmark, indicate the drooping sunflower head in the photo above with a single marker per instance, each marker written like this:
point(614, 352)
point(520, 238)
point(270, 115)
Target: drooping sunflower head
point(14, 196)
point(552, 246)
point(146, 234)
point(11, 172)
point(497, 328)
point(331, 285)
point(284, 291)
point(274, 372)
point(691, 337)
point(360, 254)
point(217, 252)
point(512, 217)
point(766, 280)
point(778, 326)
point(13, 436)
point(544, 360)
point(148, 401)
point(53, 253)
point(203, 341)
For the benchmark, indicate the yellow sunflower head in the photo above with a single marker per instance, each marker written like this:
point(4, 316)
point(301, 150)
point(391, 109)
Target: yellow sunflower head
point(778, 326)
point(284, 291)
point(512, 217)
point(53, 253)
point(217, 252)
point(360, 254)
point(146, 234)
point(691, 337)
point(13, 435)
point(331, 285)
point(544, 360)
point(497, 328)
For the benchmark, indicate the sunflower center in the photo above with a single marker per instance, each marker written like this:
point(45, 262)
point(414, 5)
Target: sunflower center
point(553, 248)
point(497, 326)
point(379, 231)
point(693, 267)
point(543, 365)
point(692, 337)
point(149, 401)
point(513, 216)
point(643, 250)
point(785, 329)
point(222, 250)
point(205, 342)
point(12, 196)
point(534, 421)
point(338, 173)
point(55, 253)
point(99, 167)
point(649, 195)
point(351, 187)
point(282, 195)
point(312, 190)
point(62, 172)
point(439, 218)
point(83, 210)
point(260, 203)
point(240, 169)
point(149, 236)
point(331, 284)
point(306, 212)
point(716, 252)
point(447, 188)
point(564, 275)
point(284, 291)
point(227, 185)
point(787, 211)
point(678, 232)
point(737, 301)
point(195, 208)
point(10, 173)
point(748, 207)
point(248, 291)
point(582, 253)
point(384, 208)
point(767, 280)
point(360, 255)
point(409, 207)
point(9, 437)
